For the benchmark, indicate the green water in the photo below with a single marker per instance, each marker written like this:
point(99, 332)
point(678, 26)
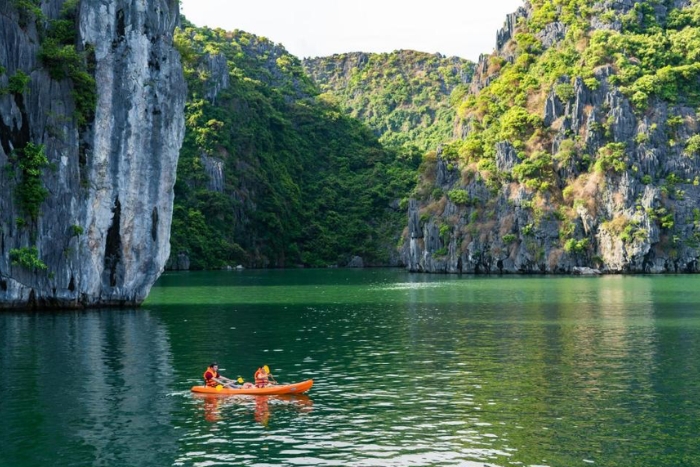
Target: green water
point(409, 370)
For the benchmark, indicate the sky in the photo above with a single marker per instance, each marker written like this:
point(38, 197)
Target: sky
point(313, 28)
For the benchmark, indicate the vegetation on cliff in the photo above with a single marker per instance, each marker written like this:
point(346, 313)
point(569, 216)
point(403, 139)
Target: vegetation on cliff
point(650, 58)
point(582, 131)
point(404, 96)
point(272, 173)
point(63, 58)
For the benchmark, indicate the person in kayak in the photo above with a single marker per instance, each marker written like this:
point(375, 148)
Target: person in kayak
point(262, 377)
point(212, 377)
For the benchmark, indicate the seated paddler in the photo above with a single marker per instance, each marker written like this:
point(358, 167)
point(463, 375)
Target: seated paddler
point(213, 378)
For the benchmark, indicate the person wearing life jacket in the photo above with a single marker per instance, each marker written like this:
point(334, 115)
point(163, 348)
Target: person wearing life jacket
point(261, 378)
point(213, 378)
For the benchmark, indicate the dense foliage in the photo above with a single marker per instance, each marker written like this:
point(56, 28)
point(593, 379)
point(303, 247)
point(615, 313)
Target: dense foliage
point(404, 96)
point(30, 191)
point(28, 258)
point(649, 60)
point(271, 173)
point(649, 52)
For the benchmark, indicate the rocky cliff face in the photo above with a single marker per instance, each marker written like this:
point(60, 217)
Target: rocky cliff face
point(599, 180)
point(90, 226)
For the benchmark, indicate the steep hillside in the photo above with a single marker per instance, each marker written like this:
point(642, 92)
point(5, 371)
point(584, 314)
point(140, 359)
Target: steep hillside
point(272, 174)
point(580, 147)
point(404, 96)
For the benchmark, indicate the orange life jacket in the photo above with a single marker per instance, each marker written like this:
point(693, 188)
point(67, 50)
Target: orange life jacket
point(210, 382)
point(260, 378)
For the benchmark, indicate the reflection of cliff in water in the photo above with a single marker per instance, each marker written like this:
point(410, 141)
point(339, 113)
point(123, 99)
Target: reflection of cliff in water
point(81, 381)
point(221, 407)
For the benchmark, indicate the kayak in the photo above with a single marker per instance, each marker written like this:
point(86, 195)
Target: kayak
point(277, 389)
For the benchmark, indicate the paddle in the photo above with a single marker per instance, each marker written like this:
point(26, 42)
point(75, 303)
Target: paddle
point(269, 375)
point(238, 381)
point(231, 383)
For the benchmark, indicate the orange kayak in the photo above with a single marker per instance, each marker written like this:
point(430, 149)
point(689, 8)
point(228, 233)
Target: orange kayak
point(294, 388)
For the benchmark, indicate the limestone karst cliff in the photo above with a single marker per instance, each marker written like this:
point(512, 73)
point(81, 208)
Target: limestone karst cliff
point(577, 146)
point(91, 123)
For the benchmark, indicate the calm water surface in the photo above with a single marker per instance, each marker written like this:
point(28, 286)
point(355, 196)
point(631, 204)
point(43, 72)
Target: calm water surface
point(409, 370)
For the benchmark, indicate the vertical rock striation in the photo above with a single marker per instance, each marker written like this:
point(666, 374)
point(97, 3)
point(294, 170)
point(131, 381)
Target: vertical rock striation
point(101, 234)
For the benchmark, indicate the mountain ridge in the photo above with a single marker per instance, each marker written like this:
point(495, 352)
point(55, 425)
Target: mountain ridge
point(404, 96)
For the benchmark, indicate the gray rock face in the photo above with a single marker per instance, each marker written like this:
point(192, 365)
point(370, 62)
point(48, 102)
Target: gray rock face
point(584, 271)
point(215, 171)
point(355, 262)
point(178, 262)
point(506, 156)
point(552, 34)
point(103, 230)
point(507, 32)
point(217, 67)
point(446, 175)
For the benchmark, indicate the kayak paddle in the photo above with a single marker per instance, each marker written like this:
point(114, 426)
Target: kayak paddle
point(269, 375)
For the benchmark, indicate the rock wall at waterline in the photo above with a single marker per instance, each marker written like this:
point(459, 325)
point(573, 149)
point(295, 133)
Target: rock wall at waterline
point(89, 223)
point(597, 170)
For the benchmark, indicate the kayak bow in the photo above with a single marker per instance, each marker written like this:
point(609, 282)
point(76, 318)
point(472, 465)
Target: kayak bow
point(294, 388)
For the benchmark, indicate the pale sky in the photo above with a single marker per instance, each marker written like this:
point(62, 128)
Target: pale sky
point(311, 28)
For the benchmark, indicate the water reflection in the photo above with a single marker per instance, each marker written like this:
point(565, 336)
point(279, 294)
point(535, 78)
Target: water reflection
point(73, 384)
point(217, 407)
